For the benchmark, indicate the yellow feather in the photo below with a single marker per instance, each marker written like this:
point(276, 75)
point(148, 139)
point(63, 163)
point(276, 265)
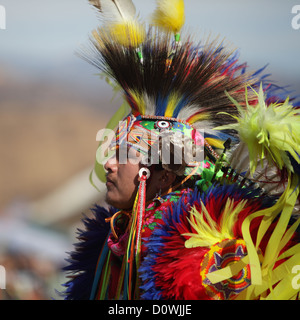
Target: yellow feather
point(229, 216)
point(172, 103)
point(198, 117)
point(208, 232)
point(140, 101)
point(219, 144)
point(128, 33)
point(169, 15)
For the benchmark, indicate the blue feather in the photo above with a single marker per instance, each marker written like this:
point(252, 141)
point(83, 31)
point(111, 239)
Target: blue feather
point(83, 260)
point(182, 103)
point(161, 105)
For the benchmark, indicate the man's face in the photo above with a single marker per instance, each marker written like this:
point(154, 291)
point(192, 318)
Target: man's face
point(122, 181)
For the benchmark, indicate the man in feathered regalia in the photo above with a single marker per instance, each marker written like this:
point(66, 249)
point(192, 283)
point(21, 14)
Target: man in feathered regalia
point(202, 173)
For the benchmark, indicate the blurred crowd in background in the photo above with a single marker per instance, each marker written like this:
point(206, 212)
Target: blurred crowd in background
point(28, 277)
point(52, 105)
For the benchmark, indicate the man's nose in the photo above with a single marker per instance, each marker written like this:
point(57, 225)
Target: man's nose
point(111, 164)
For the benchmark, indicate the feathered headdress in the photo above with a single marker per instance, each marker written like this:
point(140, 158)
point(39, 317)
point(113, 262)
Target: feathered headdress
point(163, 75)
point(166, 76)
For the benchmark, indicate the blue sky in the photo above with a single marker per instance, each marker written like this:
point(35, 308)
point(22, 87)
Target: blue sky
point(42, 36)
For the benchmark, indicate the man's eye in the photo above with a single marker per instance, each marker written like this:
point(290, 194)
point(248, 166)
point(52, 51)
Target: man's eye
point(132, 154)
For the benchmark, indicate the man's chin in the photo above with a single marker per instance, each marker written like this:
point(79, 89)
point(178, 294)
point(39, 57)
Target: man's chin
point(109, 199)
point(112, 201)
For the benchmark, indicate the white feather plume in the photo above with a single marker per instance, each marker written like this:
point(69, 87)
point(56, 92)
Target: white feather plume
point(115, 11)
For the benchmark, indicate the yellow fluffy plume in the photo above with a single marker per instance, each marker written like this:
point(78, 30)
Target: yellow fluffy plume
point(269, 131)
point(127, 34)
point(169, 15)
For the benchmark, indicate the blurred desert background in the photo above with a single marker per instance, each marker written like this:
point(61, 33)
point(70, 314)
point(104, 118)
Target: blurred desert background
point(52, 104)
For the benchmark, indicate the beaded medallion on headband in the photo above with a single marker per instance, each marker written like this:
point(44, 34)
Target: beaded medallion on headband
point(150, 135)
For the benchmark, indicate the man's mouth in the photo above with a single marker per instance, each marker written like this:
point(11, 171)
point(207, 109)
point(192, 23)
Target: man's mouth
point(109, 181)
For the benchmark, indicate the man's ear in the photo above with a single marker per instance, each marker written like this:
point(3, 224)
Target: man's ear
point(167, 178)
